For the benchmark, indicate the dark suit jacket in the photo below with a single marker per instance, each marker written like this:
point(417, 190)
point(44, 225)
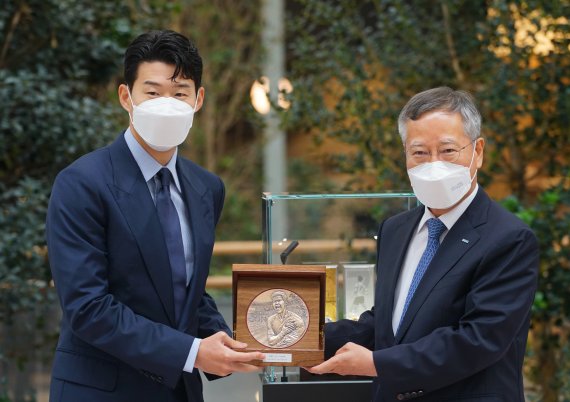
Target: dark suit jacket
point(119, 340)
point(464, 334)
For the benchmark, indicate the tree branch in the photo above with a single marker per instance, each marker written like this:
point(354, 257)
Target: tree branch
point(13, 24)
point(450, 45)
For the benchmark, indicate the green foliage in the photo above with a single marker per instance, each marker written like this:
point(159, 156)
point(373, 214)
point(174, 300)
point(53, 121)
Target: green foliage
point(304, 176)
point(355, 63)
point(336, 72)
point(549, 345)
point(57, 59)
point(225, 138)
point(22, 250)
point(549, 218)
point(47, 121)
point(526, 88)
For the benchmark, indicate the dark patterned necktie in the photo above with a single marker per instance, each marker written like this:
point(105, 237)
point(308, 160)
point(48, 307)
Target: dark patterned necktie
point(435, 229)
point(173, 237)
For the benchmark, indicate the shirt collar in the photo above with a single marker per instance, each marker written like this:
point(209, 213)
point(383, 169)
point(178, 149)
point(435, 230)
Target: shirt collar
point(449, 218)
point(148, 165)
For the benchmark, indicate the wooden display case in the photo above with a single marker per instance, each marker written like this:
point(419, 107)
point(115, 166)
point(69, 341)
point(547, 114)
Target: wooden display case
point(279, 310)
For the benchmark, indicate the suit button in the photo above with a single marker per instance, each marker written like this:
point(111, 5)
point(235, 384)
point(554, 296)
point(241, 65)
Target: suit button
point(407, 395)
point(400, 397)
point(420, 393)
point(414, 394)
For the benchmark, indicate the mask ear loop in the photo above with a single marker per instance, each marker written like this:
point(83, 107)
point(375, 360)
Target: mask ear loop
point(472, 159)
point(196, 103)
point(132, 104)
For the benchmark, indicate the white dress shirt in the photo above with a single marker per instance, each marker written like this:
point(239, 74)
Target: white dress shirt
point(416, 248)
point(149, 168)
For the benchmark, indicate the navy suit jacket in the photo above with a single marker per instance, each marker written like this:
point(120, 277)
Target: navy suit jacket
point(119, 340)
point(464, 335)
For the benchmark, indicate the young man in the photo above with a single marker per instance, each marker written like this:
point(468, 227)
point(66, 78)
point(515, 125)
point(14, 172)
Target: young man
point(130, 232)
point(456, 277)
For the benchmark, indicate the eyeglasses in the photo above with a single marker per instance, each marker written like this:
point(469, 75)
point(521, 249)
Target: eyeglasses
point(447, 153)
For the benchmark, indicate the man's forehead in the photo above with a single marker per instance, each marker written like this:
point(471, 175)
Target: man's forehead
point(159, 73)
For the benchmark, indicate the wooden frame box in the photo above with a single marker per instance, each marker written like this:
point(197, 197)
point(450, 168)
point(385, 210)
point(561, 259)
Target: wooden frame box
point(279, 310)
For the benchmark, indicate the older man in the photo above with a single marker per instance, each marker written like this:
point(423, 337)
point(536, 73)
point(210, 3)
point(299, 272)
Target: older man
point(456, 277)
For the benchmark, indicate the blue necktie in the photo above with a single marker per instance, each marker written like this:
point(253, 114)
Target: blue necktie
point(435, 229)
point(173, 237)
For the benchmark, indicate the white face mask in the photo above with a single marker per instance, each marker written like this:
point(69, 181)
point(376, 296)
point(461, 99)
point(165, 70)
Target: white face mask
point(439, 184)
point(163, 123)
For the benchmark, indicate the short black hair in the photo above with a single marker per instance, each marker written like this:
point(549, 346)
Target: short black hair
point(168, 47)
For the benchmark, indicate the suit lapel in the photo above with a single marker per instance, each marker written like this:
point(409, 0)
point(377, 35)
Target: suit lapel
point(199, 207)
point(460, 239)
point(389, 269)
point(135, 202)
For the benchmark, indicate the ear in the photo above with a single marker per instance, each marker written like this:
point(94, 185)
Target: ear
point(124, 98)
point(479, 147)
point(200, 98)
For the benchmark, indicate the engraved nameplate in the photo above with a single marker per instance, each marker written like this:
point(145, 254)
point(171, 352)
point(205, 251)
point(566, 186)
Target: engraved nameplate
point(278, 358)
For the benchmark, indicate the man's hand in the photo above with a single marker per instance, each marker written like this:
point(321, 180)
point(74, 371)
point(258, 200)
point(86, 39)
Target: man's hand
point(216, 357)
point(351, 359)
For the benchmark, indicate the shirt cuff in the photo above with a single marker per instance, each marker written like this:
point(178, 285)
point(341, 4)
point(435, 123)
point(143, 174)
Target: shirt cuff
point(189, 366)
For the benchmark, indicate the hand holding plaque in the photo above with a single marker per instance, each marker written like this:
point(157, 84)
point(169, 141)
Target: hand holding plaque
point(215, 356)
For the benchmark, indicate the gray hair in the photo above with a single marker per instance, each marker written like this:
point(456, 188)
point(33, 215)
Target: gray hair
point(446, 100)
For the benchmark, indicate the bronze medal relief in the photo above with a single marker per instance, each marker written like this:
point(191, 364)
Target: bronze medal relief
point(277, 318)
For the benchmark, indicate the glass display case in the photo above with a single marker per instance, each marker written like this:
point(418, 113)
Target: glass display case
point(335, 230)
point(339, 232)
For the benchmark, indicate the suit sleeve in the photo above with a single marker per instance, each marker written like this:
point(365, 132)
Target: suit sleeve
point(337, 334)
point(209, 318)
point(76, 238)
point(496, 308)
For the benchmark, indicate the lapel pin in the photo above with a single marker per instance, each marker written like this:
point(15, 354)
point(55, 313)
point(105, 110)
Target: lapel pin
point(465, 241)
